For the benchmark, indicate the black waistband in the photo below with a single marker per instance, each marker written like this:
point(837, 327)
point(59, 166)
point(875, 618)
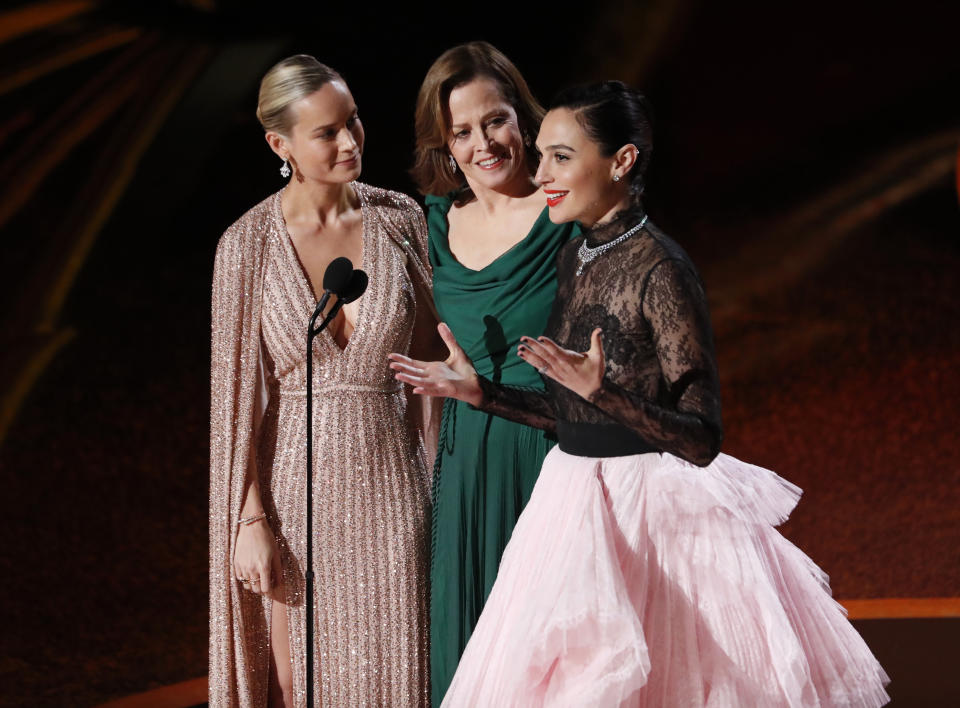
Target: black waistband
point(600, 440)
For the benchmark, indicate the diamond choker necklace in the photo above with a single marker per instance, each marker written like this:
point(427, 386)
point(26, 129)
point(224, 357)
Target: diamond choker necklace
point(587, 254)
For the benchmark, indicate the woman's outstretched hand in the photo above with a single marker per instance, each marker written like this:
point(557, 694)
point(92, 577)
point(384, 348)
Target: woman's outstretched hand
point(581, 372)
point(453, 378)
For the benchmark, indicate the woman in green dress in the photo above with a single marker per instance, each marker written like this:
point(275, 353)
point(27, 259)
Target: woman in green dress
point(492, 247)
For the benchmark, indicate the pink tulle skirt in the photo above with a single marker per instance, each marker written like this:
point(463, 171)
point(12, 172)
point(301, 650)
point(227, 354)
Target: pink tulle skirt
point(648, 581)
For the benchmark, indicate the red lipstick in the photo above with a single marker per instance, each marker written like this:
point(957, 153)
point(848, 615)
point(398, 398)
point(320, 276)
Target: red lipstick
point(555, 196)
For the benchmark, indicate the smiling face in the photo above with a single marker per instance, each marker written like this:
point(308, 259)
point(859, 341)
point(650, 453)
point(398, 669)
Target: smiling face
point(485, 137)
point(576, 178)
point(326, 140)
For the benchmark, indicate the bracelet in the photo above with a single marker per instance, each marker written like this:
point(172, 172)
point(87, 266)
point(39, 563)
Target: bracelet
point(252, 519)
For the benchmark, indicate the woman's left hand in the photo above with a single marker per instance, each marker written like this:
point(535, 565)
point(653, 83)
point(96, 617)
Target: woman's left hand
point(581, 372)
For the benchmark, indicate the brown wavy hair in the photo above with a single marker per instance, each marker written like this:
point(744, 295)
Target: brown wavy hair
point(455, 67)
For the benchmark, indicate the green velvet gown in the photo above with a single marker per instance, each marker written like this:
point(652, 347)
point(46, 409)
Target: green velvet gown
point(486, 466)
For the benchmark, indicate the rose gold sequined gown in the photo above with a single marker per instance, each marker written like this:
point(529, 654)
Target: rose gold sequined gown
point(371, 485)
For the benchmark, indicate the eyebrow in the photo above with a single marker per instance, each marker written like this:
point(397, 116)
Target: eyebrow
point(559, 147)
point(321, 128)
point(486, 116)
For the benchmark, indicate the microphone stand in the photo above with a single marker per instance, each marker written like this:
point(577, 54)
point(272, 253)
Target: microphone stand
point(345, 293)
point(312, 332)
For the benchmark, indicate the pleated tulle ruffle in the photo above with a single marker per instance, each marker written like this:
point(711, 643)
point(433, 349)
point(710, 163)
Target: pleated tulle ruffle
point(647, 581)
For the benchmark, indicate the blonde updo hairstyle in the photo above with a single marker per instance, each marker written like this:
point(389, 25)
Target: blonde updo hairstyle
point(287, 82)
point(455, 67)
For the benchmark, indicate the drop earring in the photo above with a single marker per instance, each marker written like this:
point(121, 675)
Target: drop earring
point(285, 169)
point(453, 163)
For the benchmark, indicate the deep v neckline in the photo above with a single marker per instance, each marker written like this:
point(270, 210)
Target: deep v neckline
point(305, 276)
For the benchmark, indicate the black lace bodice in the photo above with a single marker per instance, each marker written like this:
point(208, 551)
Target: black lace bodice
point(660, 385)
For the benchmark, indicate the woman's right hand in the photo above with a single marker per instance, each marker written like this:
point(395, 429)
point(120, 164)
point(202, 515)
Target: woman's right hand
point(453, 378)
point(257, 558)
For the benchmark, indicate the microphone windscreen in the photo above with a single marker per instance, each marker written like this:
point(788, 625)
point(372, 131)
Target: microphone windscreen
point(337, 276)
point(356, 287)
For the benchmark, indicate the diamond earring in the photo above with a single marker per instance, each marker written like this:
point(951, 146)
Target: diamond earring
point(616, 178)
point(285, 169)
point(453, 163)
point(526, 139)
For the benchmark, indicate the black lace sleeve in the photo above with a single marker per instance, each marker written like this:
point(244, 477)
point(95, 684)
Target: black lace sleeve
point(685, 420)
point(521, 405)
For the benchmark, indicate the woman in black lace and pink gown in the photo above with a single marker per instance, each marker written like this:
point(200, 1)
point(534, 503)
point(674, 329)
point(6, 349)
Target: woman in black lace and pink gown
point(646, 569)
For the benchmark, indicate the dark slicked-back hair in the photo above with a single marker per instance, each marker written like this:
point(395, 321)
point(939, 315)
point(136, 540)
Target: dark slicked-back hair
point(612, 115)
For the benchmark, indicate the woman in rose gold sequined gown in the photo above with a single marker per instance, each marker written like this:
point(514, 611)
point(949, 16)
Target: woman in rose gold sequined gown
point(371, 485)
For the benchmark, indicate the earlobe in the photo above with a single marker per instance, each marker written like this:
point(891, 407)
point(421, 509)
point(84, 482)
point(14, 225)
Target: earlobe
point(623, 161)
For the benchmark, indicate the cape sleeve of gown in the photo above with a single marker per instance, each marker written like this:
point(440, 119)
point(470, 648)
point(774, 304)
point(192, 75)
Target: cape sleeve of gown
point(237, 401)
point(687, 424)
point(408, 228)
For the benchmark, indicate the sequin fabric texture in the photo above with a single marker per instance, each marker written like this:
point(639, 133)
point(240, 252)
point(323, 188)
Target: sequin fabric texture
point(371, 484)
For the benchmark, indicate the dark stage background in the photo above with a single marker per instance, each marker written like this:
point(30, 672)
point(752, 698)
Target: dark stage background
point(805, 156)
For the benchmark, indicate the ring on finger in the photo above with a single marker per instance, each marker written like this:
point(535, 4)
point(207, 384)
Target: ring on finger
point(543, 369)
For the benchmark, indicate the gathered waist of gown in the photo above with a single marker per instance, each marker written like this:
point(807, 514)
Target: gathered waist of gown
point(600, 440)
point(328, 388)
